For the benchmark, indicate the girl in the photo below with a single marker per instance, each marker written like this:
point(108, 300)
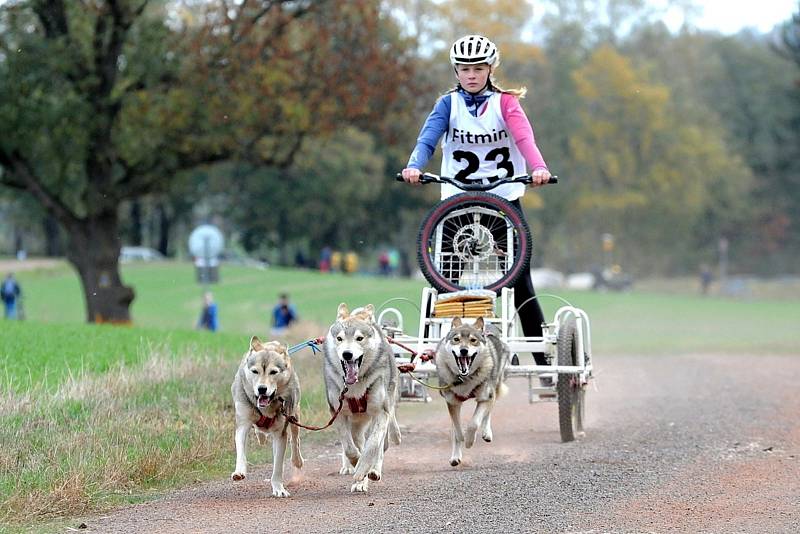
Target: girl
point(487, 136)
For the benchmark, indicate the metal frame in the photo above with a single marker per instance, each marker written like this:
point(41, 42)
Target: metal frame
point(506, 321)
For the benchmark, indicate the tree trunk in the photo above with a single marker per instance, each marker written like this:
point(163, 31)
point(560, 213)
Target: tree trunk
point(52, 237)
point(94, 251)
point(164, 224)
point(136, 222)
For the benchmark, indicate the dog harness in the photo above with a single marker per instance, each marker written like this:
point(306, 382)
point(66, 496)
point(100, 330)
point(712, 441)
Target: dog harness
point(265, 422)
point(462, 398)
point(358, 405)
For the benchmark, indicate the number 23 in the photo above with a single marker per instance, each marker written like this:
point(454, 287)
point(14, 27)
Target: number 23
point(473, 162)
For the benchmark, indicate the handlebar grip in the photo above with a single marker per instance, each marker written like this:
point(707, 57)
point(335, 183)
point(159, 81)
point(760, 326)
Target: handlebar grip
point(423, 179)
point(553, 179)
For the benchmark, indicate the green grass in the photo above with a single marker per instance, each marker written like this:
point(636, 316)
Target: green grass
point(100, 431)
point(640, 322)
point(39, 354)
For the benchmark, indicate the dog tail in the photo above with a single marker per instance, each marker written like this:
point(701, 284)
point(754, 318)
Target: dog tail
point(502, 390)
point(394, 430)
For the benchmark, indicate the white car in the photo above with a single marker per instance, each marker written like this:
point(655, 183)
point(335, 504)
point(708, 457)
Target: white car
point(129, 254)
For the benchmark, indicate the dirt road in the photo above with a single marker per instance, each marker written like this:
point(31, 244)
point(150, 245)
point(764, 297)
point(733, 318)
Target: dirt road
point(705, 443)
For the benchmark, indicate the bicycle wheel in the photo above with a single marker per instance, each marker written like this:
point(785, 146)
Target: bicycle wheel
point(473, 241)
point(571, 394)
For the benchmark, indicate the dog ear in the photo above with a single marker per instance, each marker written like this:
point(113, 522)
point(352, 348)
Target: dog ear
point(280, 348)
point(283, 349)
point(456, 322)
point(479, 323)
point(343, 312)
point(255, 344)
point(369, 310)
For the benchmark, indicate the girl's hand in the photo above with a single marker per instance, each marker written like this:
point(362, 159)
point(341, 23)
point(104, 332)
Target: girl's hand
point(412, 175)
point(540, 177)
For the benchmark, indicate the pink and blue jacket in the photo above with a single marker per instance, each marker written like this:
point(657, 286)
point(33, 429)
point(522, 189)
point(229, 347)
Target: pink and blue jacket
point(439, 119)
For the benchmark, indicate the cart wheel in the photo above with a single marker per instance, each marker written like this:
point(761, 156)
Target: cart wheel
point(570, 392)
point(474, 241)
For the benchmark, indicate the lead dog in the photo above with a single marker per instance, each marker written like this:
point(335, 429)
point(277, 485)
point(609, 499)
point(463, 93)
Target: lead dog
point(358, 357)
point(471, 362)
point(265, 391)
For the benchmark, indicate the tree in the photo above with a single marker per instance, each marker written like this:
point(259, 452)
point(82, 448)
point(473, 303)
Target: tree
point(109, 99)
point(644, 173)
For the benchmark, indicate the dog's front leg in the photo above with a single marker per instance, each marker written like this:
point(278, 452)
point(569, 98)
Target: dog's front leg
point(371, 462)
point(486, 425)
point(350, 452)
point(456, 434)
point(278, 453)
point(481, 410)
point(240, 437)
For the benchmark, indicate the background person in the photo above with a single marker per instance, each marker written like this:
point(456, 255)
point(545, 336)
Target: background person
point(283, 315)
point(208, 316)
point(475, 106)
point(11, 293)
point(706, 277)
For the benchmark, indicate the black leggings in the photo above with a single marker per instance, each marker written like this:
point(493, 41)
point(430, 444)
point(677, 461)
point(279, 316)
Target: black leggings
point(530, 314)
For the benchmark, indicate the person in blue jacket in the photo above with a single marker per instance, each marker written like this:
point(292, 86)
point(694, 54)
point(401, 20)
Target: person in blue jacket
point(208, 317)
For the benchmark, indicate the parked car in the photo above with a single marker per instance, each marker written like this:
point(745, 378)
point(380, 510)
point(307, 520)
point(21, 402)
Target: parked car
point(234, 257)
point(129, 254)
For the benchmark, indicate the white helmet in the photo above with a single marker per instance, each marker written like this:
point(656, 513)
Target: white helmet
point(473, 49)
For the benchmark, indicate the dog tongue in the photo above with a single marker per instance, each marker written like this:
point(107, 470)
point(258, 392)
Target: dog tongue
point(351, 372)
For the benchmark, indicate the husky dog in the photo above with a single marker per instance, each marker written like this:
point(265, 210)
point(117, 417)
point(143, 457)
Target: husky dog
point(471, 361)
point(265, 391)
point(358, 357)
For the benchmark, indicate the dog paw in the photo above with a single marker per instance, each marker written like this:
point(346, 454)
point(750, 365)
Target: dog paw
point(455, 461)
point(360, 487)
point(487, 436)
point(374, 475)
point(238, 476)
point(280, 491)
point(347, 470)
point(469, 436)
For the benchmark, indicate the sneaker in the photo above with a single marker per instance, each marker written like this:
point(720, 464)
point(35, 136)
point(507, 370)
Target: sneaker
point(546, 381)
point(540, 358)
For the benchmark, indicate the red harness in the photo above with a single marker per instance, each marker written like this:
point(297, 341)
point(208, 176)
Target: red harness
point(462, 398)
point(265, 422)
point(358, 405)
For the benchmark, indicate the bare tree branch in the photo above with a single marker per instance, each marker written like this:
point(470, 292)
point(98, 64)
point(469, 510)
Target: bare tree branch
point(21, 170)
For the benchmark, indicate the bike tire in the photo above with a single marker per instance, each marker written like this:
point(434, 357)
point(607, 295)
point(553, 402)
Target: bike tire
point(521, 232)
point(571, 394)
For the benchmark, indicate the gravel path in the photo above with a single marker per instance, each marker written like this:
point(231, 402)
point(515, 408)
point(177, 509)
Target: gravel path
point(700, 443)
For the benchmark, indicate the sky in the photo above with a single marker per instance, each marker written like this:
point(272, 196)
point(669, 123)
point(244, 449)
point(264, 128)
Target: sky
point(730, 16)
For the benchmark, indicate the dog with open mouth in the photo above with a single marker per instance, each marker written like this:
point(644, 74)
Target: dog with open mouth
point(265, 392)
point(358, 358)
point(470, 363)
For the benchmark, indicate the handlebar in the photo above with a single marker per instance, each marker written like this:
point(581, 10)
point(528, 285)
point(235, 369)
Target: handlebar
point(430, 178)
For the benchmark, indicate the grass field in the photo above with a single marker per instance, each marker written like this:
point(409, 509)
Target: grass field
point(92, 416)
point(639, 322)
